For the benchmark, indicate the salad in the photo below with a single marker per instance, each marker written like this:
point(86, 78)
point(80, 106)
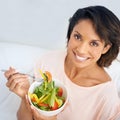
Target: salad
point(47, 96)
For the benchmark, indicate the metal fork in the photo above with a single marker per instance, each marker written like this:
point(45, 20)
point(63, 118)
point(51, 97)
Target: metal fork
point(31, 76)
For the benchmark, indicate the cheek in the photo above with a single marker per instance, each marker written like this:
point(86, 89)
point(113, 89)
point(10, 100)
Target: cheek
point(71, 44)
point(70, 47)
point(96, 53)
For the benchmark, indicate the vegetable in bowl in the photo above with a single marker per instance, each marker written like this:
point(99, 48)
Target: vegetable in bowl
point(49, 95)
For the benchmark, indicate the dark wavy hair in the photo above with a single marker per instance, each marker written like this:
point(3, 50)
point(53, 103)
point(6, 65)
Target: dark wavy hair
point(106, 25)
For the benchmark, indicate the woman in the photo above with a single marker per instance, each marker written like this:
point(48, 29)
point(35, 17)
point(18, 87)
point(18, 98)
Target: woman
point(93, 43)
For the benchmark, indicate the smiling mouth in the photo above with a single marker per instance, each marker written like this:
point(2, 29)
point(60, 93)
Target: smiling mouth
point(82, 59)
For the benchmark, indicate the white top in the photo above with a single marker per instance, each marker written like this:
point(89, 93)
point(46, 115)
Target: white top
point(100, 102)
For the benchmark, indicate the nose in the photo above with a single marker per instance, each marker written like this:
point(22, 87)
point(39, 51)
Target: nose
point(82, 48)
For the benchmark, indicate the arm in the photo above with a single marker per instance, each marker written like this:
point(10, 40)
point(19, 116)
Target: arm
point(24, 113)
point(19, 84)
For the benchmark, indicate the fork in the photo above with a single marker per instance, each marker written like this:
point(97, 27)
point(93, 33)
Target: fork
point(31, 76)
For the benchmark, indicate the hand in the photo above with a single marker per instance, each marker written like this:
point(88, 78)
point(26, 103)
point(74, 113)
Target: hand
point(37, 116)
point(17, 83)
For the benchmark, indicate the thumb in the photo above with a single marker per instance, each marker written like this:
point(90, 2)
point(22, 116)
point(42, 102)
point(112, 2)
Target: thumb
point(36, 115)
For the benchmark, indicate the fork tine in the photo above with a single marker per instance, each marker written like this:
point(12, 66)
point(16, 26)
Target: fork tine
point(2, 70)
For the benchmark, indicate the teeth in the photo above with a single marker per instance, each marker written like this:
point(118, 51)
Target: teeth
point(81, 58)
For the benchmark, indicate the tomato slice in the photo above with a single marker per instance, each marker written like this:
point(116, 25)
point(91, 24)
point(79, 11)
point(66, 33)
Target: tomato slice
point(55, 106)
point(49, 76)
point(60, 92)
point(43, 104)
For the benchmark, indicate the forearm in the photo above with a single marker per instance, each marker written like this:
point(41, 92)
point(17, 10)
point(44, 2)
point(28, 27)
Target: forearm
point(23, 112)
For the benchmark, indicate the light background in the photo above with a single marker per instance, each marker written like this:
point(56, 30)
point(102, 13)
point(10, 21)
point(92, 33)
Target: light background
point(42, 23)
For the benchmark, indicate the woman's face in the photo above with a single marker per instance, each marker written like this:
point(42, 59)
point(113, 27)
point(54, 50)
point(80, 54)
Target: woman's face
point(85, 47)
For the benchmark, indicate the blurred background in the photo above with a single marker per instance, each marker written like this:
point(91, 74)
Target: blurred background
point(42, 23)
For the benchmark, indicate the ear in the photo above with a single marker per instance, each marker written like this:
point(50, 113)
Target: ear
point(106, 48)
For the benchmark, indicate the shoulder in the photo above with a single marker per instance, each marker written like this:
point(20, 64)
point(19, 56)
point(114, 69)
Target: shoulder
point(53, 56)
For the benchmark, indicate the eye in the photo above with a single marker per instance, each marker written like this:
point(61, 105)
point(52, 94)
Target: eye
point(77, 36)
point(94, 43)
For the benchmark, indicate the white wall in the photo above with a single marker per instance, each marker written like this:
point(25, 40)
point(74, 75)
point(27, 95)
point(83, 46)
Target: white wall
point(42, 22)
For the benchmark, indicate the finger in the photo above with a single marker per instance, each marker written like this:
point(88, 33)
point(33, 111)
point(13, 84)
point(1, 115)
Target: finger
point(13, 79)
point(20, 89)
point(16, 83)
point(9, 72)
point(12, 69)
point(28, 105)
point(11, 75)
point(16, 75)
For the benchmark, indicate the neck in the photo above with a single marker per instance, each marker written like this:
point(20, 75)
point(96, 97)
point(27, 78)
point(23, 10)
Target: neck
point(73, 71)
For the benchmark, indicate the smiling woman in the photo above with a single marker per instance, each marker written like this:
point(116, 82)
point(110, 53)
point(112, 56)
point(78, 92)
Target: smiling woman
point(93, 42)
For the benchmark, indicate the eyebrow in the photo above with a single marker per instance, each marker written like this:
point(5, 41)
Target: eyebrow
point(77, 32)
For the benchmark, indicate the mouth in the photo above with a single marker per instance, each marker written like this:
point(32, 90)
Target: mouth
point(81, 58)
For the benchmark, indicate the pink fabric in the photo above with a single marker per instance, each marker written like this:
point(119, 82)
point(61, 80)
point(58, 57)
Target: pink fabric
point(100, 102)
